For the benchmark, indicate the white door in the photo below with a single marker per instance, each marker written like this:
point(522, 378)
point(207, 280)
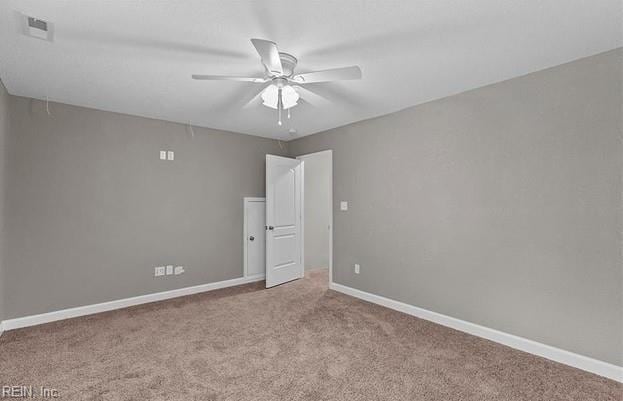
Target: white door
point(254, 237)
point(284, 219)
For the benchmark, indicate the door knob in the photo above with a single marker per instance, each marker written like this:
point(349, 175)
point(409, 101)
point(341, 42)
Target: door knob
point(251, 238)
point(270, 228)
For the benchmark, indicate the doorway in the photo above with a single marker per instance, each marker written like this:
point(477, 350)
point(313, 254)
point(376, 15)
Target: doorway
point(298, 218)
point(318, 211)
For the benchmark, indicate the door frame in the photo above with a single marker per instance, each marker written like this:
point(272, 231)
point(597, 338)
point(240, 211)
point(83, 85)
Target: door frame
point(245, 235)
point(302, 158)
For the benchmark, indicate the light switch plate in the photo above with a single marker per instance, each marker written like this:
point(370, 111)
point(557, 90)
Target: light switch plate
point(343, 205)
point(163, 155)
point(171, 155)
point(357, 268)
point(169, 269)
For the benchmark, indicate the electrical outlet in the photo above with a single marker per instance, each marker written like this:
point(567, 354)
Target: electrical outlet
point(357, 268)
point(163, 155)
point(170, 155)
point(179, 270)
point(159, 271)
point(169, 270)
point(343, 205)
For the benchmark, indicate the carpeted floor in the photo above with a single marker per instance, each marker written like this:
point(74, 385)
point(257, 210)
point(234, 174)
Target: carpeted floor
point(298, 341)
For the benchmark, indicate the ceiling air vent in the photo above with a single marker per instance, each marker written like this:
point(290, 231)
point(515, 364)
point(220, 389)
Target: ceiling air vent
point(37, 28)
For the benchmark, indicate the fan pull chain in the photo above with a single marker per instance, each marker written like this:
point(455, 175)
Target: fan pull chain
point(279, 106)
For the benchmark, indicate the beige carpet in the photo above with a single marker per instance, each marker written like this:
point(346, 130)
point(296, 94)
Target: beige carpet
point(298, 341)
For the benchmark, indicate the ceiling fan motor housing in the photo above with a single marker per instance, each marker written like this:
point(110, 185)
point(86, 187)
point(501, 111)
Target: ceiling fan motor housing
point(288, 63)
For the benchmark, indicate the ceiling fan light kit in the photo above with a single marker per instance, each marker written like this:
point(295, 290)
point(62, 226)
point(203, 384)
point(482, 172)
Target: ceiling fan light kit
point(289, 96)
point(279, 68)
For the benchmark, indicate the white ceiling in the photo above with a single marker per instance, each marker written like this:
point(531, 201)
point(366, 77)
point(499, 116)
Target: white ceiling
point(136, 57)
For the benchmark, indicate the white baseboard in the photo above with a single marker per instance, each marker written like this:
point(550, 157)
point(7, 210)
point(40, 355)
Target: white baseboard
point(255, 277)
point(33, 320)
point(598, 367)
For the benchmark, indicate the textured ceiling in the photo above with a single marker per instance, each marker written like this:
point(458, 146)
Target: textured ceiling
point(136, 57)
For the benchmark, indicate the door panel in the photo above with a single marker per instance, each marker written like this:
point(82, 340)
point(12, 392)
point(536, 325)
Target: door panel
point(283, 220)
point(285, 185)
point(285, 250)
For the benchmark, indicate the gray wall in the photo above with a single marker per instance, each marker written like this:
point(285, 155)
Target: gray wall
point(4, 133)
point(317, 205)
point(500, 206)
point(92, 209)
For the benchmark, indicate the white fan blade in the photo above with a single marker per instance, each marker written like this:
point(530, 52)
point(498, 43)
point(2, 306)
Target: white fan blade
point(335, 74)
point(311, 97)
point(227, 78)
point(254, 99)
point(270, 55)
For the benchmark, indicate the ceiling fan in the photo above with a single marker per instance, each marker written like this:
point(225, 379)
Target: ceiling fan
point(283, 87)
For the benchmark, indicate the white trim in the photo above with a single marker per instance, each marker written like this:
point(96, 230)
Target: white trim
point(301, 194)
point(598, 367)
point(330, 211)
point(34, 320)
point(256, 277)
point(245, 202)
point(1, 328)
